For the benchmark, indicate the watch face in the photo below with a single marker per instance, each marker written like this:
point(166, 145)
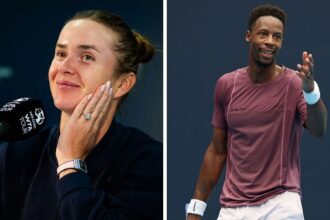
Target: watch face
point(83, 166)
point(80, 165)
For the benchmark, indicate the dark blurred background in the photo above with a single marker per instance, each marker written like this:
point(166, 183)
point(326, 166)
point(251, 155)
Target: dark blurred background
point(207, 39)
point(29, 31)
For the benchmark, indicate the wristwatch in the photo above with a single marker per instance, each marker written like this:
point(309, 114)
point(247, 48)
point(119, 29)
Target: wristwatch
point(76, 164)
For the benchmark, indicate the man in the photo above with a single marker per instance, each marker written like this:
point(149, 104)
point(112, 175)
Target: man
point(259, 114)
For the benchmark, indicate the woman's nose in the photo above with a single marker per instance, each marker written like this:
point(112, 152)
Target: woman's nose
point(67, 65)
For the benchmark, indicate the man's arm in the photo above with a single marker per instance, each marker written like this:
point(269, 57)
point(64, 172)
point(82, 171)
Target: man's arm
point(212, 166)
point(316, 122)
point(317, 119)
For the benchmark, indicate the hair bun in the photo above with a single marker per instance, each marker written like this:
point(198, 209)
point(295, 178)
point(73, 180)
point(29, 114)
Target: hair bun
point(145, 50)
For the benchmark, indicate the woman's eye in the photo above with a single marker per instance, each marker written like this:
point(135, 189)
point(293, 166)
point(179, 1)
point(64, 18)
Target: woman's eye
point(88, 58)
point(60, 54)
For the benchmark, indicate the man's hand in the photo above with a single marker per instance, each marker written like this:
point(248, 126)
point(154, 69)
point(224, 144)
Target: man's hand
point(306, 72)
point(193, 217)
point(317, 113)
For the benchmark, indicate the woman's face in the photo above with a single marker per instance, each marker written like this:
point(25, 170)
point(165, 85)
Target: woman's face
point(83, 60)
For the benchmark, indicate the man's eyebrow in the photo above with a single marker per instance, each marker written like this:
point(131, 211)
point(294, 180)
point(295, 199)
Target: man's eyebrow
point(81, 46)
point(266, 30)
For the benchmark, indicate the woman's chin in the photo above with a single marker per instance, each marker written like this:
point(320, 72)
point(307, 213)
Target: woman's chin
point(67, 107)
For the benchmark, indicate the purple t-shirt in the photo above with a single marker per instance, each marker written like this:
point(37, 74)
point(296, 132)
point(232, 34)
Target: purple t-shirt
point(264, 125)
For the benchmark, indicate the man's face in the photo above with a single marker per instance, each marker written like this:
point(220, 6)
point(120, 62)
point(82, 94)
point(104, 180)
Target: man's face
point(265, 40)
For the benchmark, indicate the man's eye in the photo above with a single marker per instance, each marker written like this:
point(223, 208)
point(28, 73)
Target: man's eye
point(278, 37)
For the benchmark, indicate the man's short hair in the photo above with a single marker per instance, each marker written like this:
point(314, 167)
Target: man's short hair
point(266, 10)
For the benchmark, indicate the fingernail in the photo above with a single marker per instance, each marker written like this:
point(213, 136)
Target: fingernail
point(109, 87)
point(89, 96)
point(102, 88)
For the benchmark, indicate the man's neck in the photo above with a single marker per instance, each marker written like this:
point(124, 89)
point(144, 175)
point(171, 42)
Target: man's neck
point(260, 74)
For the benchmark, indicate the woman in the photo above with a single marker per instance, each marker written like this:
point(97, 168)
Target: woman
point(90, 167)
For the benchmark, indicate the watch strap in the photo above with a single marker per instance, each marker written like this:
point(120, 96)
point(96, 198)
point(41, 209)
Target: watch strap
point(76, 164)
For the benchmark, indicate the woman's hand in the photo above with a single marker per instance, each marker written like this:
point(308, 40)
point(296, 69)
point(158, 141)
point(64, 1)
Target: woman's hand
point(82, 131)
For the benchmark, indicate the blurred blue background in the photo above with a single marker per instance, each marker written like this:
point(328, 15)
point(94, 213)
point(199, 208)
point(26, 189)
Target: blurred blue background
point(207, 39)
point(29, 31)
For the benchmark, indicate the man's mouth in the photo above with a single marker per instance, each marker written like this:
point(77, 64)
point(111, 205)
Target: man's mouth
point(267, 53)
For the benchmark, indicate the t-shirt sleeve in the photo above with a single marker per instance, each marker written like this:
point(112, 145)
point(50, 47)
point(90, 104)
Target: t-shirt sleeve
point(218, 118)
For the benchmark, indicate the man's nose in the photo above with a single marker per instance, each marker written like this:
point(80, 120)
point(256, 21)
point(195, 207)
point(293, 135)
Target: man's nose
point(270, 40)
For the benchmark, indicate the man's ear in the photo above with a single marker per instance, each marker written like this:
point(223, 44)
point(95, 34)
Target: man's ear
point(247, 36)
point(124, 84)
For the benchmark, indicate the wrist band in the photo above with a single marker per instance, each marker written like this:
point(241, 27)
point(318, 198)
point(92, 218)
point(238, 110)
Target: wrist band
point(196, 207)
point(314, 96)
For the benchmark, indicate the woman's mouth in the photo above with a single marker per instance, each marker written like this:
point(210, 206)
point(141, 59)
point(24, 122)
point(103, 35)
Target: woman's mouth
point(64, 84)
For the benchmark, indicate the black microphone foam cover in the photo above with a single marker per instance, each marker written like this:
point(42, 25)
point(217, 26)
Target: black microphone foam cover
point(21, 118)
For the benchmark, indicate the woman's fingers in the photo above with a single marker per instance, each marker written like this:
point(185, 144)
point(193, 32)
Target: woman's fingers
point(103, 106)
point(89, 111)
point(81, 106)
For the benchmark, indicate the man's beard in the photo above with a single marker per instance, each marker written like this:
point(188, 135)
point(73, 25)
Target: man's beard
point(264, 65)
point(258, 61)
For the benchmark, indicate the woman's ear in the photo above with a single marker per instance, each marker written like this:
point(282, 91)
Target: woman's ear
point(124, 84)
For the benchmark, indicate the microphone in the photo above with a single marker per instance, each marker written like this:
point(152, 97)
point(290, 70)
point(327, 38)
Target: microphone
point(21, 119)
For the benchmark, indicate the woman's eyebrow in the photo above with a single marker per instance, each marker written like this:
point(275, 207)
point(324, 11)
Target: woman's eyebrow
point(81, 46)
